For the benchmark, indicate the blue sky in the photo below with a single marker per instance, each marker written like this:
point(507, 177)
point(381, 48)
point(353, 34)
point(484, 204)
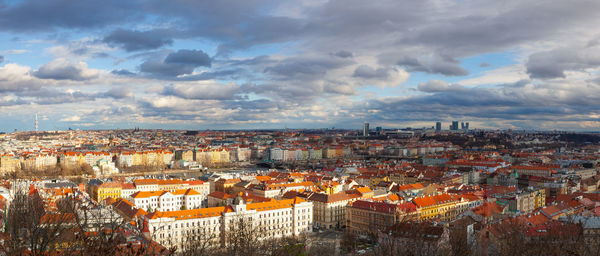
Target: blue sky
point(299, 64)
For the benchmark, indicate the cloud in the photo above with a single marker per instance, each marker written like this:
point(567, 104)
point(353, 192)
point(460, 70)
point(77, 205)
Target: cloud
point(436, 65)
point(206, 90)
point(194, 58)
point(133, 40)
point(32, 15)
point(122, 72)
point(554, 63)
point(119, 92)
point(61, 69)
point(15, 51)
point(439, 86)
point(1, 58)
point(484, 65)
point(344, 54)
point(177, 63)
point(15, 77)
point(71, 119)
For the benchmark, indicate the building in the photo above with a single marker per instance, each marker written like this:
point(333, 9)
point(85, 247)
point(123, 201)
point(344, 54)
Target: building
point(273, 219)
point(99, 190)
point(330, 210)
point(365, 129)
point(367, 217)
point(440, 207)
point(454, 126)
point(172, 200)
point(438, 126)
point(416, 238)
point(225, 185)
point(276, 190)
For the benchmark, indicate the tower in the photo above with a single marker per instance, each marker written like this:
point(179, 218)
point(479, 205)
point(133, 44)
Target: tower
point(366, 129)
point(454, 126)
point(35, 123)
point(438, 126)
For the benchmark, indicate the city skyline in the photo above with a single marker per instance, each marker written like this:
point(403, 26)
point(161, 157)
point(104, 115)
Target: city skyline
point(301, 64)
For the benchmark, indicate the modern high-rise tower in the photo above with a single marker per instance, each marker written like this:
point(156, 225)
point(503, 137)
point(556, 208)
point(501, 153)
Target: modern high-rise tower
point(35, 123)
point(438, 126)
point(366, 129)
point(454, 126)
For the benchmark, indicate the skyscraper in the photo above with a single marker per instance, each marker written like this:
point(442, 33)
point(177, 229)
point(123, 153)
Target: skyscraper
point(366, 129)
point(454, 126)
point(467, 126)
point(438, 126)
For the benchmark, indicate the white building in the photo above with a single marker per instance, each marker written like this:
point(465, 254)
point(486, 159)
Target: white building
point(167, 200)
point(274, 219)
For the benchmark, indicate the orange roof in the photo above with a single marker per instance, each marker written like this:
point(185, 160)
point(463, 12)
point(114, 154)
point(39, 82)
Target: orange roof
point(145, 194)
point(192, 213)
point(364, 190)
point(263, 178)
point(169, 182)
point(193, 182)
point(273, 204)
point(145, 182)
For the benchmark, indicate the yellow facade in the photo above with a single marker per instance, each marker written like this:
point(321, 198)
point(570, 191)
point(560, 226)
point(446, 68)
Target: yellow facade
point(377, 180)
point(540, 198)
point(106, 190)
point(137, 158)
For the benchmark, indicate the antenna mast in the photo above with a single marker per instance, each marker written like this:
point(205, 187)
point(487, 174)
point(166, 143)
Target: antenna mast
point(36, 122)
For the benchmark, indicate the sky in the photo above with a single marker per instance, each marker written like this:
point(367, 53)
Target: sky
point(273, 64)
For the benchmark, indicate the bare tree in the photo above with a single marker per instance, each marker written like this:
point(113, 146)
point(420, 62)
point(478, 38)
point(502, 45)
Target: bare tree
point(199, 241)
point(241, 236)
point(31, 229)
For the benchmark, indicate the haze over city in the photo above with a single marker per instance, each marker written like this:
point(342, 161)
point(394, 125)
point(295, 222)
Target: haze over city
point(299, 64)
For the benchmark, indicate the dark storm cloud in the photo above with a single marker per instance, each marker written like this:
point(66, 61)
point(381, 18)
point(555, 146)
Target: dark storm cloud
point(42, 15)
point(133, 40)
point(178, 63)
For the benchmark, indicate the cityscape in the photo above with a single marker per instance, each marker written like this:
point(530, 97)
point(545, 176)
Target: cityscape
point(410, 191)
point(310, 127)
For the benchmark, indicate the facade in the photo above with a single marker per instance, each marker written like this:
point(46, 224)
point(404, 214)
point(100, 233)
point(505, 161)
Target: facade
point(275, 190)
point(101, 190)
point(173, 200)
point(39, 162)
point(367, 217)
point(272, 219)
point(330, 210)
point(440, 207)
